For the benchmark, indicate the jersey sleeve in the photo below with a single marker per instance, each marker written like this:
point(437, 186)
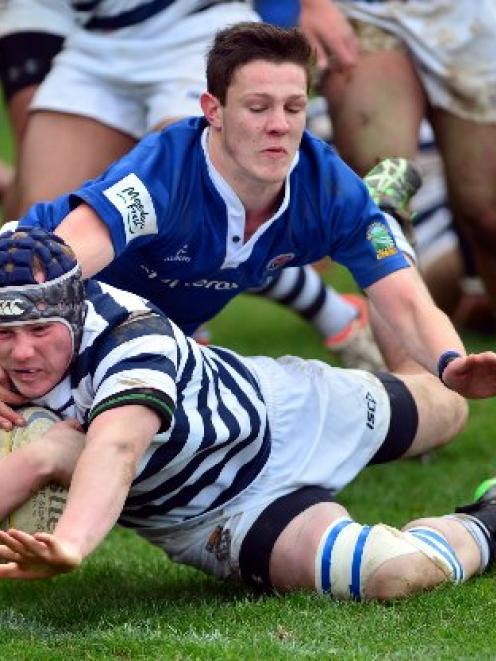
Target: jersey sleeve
point(47, 215)
point(137, 364)
point(362, 238)
point(351, 228)
point(132, 196)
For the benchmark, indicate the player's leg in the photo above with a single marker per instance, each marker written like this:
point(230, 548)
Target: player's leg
point(304, 540)
point(469, 153)
point(376, 109)
point(25, 58)
point(60, 151)
point(6, 177)
point(81, 119)
point(341, 319)
point(323, 548)
point(440, 412)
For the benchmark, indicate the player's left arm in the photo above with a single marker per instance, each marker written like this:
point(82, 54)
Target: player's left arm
point(426, 333)
point(115, 442)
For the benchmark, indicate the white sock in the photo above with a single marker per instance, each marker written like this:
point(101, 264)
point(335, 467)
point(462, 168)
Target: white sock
point(303, 290)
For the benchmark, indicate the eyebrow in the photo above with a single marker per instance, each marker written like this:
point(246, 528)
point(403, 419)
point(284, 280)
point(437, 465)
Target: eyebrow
point(264, 95)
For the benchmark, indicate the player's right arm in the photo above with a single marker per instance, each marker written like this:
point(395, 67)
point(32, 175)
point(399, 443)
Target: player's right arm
point(89, 237)
point(118, 438)
point(124, 209)
point(52, 457)
point(81, 228)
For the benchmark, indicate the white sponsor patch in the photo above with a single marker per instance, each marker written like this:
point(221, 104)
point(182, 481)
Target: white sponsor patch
point(11, 308)
point(131, 197)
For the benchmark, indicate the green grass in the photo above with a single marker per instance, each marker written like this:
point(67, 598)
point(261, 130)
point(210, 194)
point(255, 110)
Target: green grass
point(129, 602)
point(6, 147)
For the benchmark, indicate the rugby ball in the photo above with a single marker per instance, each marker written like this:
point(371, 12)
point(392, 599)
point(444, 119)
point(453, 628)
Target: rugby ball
point(42, 511)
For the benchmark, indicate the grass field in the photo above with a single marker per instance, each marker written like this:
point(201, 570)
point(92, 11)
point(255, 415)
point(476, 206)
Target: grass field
point(129, 602)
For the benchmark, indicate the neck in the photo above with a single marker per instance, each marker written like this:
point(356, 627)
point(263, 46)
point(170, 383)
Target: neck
point(260, 199)
point(254, 218)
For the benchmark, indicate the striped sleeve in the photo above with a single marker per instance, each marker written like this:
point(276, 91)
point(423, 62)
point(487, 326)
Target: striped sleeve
point(137, 364)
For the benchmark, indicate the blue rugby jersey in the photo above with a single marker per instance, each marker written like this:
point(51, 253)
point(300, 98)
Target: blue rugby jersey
point(170, 218)
point(214, 439)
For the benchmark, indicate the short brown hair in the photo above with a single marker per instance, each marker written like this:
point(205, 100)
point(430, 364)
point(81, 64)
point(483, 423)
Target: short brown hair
point(245, 42)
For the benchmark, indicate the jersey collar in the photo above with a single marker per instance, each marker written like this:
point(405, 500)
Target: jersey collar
point(237, 251)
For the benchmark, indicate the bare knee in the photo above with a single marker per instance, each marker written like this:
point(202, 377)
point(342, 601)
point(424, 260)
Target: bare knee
point(457, 413)
point(292, 561)
point(448, 421)
point(442, 413)
point(403, 576)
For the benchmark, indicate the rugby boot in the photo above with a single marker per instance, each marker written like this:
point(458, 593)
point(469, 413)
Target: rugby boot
point(391, 184)
point(483, 510)
point(355, 345)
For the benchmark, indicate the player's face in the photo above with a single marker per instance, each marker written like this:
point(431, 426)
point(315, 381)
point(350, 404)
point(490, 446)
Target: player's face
point(263, 120)
point(35, 356)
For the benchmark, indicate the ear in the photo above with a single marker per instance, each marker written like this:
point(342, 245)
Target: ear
point(212, 109)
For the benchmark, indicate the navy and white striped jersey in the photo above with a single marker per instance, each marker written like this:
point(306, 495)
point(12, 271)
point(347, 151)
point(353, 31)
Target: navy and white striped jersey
point(214, 438)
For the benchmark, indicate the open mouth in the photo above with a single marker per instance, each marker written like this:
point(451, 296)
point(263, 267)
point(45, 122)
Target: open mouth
point(25, 374)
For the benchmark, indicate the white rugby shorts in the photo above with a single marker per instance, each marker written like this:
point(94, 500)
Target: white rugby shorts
point(321, 434)
point(453, 44)
point(52, 16)
point(134, 78)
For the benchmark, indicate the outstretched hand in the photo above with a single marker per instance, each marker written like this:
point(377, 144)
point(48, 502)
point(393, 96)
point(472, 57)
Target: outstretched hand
point(40, 555)
point(473, 376)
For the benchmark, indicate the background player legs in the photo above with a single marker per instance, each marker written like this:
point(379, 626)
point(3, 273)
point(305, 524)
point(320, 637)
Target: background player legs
point(341, 319)
point(51, 141)
point(376, 109)
point(469, 152)
point(6, 175)
point(17, 108)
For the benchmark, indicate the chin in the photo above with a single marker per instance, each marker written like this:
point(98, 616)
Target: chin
point(32, 392)
point(273, 175)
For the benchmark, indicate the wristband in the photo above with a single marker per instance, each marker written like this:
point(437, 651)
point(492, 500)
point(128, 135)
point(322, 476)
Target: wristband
point(444, 360)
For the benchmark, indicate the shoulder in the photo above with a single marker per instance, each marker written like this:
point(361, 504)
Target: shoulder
point(182, 137)
point(322, 174)
point(317, 157)
point(174, 145)
point(109, 308)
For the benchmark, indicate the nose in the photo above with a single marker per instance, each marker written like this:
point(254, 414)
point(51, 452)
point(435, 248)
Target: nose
point(22, 347)
point(278, 121)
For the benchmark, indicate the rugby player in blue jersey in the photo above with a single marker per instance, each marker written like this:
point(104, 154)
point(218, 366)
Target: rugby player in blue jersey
point(253, 193)
point(92, 93)
point(229, 464)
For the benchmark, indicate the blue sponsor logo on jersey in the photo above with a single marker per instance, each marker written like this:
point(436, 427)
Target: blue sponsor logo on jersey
point(172, 283)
